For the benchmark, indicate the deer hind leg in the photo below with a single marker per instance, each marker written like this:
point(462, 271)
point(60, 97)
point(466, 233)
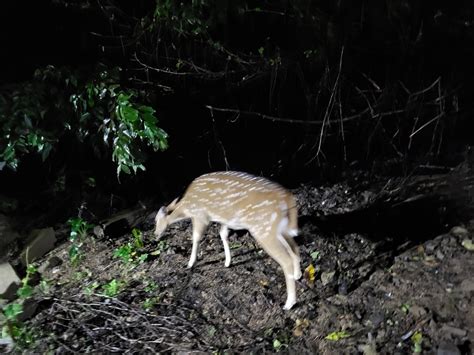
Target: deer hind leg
point(224, 233)
point(278, 252)
point(287, 229)
point(294, 251)
point(198, 229)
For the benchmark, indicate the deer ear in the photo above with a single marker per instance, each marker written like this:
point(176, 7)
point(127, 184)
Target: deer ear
point(172, 205)
point(161, 213)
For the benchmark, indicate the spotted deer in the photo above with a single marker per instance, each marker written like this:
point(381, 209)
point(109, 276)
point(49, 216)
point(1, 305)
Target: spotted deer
point(239, 200)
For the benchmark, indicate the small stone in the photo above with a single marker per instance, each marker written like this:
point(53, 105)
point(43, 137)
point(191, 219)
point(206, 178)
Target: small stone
point(459, 231)
point(342, 288)
point(327, 277)
point(368, 349)
point(447, 349)
point(50, 264)
point(467, 285)
point(457, 332)
point(439, 255)
point(376, 319)
point(29, 309)
point(98, 231)
point(417, 311)
point(430, 246)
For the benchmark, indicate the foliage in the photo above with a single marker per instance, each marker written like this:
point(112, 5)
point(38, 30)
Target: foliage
point(131, 251)
point(113, 288)
point(77, 237)
point(13, 327)
point(89, 289)
point(35, 116)
point(151, 286)
point(123, 122)
point(163, 245)
point(26, 114)
point(417, 339)
point(149, 303)
point(315, 255)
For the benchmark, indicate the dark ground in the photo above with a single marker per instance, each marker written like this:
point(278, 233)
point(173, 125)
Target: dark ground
point(384, 295)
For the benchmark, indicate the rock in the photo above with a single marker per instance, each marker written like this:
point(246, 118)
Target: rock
point(41, 242)
point(430, 246)
point(376, 319)
point(459, 231)
point(439, 255)
point(327, 277)
point(417, 311)
point(29, 309)
point(368, 349)
point(342, 288)
point(6, 345)
point(98, 231)
point(50, 264)
point(467, 285)
point(457, 332)
point(9, 281)
point(119, 224)
point(447, 349)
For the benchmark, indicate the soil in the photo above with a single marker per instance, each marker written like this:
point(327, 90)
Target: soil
point(362, 298)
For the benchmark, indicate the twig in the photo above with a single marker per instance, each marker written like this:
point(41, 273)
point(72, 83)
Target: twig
point(219, 141)
point(427, 123)
point(288, 120)
point(330, 105)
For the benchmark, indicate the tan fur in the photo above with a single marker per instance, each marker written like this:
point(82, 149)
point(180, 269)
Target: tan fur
point(241, 201)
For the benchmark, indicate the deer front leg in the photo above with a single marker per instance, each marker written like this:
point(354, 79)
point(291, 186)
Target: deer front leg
point(224, 233)
point(198, 229)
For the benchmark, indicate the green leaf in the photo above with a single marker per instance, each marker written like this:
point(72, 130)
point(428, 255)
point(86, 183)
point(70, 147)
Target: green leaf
point(9, 152)
point(128, 113)
point(125, 169)
point(12, 310)
point(276, 344)
point(112, 288)
point(314, 255)
point(31, 269)
point(335, 336)
point(73, 251)
point(45, 152)
point(25, 291)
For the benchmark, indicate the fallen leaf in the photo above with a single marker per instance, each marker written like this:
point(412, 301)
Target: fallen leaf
point(310, 274)
point(468, 244)
point(420, 249)
point(300, 325)
point(430, 261)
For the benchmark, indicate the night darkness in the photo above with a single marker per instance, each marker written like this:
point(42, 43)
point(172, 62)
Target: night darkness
point(364, 109)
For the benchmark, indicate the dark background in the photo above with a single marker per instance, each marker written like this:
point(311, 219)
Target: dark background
point(397, 46)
